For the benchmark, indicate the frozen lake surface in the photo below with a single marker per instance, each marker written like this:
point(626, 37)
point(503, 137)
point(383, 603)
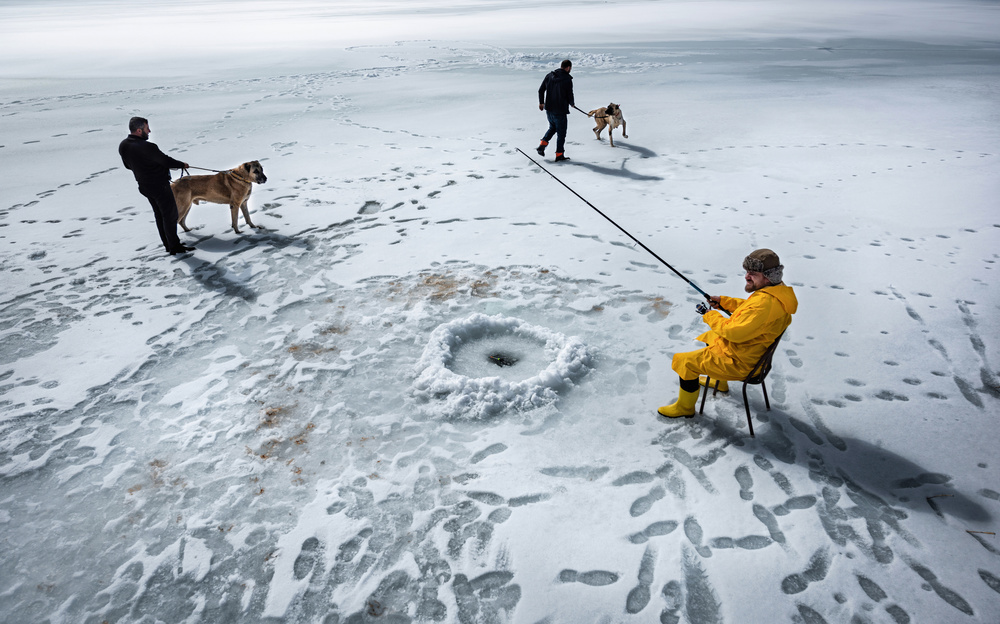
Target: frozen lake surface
point(308, 422)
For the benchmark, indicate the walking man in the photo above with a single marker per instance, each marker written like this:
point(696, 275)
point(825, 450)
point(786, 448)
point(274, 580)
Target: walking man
point(735, 343)
point(151, 169)
point(555, 96)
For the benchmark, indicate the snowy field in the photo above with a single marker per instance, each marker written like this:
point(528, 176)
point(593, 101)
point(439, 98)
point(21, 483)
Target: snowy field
point(302, 423)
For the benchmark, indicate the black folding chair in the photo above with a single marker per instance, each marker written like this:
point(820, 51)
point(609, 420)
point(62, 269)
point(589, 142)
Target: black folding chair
point(756, 376)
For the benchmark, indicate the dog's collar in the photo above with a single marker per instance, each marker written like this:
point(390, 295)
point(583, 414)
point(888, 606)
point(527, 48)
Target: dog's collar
point(233, 173)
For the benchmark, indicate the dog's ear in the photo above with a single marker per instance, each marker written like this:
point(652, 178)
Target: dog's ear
point(247, 167)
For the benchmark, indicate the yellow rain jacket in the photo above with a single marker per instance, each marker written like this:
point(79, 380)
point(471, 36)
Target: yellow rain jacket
point(736, 343)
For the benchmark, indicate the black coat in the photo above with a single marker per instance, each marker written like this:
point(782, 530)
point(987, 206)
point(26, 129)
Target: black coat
point(148, 164)
point(556, 92)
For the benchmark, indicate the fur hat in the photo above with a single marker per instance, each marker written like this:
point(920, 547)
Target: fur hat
point(765, 261)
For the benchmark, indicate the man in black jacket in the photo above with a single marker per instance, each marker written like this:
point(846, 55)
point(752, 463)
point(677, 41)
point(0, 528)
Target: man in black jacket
point(555, 96)
point(151, 169)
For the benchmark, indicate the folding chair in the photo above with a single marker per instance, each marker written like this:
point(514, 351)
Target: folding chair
point(756, 376)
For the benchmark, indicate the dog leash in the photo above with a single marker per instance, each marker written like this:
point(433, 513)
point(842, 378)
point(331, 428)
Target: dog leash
point(594, 116)
point(229, 171)
point(185, 172)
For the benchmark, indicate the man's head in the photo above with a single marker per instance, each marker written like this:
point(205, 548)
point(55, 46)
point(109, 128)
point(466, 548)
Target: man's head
point(139, 127)
point(763, 269)
point(566, 65)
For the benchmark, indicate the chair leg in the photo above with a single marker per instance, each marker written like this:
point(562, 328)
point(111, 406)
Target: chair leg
point(764, 388)
point(703, 395)
point(746, 406)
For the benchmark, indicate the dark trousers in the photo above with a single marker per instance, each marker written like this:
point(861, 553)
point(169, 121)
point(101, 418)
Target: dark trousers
point(161, 198)
point(557, 126)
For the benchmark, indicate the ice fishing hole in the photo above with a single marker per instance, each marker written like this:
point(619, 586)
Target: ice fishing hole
point(502, 359)
point(483, 365)
point(510, 356)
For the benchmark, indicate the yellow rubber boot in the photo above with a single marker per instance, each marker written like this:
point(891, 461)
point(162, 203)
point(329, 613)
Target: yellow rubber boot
point(722, 387)
point(683, 406)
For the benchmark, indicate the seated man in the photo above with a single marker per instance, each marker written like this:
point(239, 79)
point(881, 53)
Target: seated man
point(736, 343)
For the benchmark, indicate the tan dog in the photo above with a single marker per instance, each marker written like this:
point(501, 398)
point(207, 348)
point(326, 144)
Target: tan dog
point(227, 187)
point(610, 118)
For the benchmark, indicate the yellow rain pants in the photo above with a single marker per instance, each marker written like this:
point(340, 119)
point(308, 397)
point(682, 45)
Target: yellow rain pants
point(736, 343)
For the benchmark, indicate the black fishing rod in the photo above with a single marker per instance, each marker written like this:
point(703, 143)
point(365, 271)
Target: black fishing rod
point(651, 252)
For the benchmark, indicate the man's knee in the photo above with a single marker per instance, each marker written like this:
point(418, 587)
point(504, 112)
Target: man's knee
point(688, 365)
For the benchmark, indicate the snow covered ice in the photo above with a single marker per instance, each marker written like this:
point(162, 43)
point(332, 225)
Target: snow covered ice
point(301, 423)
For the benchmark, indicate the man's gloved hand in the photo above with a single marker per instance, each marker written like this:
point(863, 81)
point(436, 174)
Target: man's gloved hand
point(702, 308)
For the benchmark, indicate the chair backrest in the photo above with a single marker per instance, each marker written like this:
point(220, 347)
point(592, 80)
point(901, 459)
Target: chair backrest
point(763, 366)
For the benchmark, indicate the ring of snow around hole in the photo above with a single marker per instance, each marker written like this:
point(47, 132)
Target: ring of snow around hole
point(462, 396)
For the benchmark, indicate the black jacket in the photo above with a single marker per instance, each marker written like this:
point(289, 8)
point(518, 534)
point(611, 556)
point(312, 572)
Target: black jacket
point(556, 92)
point(148, 164)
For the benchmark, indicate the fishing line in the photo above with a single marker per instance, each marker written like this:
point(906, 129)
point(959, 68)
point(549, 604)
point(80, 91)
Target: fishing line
point(651, 252)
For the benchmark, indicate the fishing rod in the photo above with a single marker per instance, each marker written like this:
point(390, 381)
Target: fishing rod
point(651, 252)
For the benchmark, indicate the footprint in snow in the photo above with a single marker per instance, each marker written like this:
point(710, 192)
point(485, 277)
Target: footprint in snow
point(745, 480)
point(645, 503)
point(656, 529)
point(595, 578)
point(946, 594)
point(770, 521)
point(794, 361)
point(493, 449)
point(876, 593)
point(819, 565)
point(568, 472)
point(694, 533)
point(639, 596)
point(796, 503)
point(633, 478)
point(310, 553)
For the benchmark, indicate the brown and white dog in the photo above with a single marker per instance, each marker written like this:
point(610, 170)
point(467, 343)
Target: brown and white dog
point(610, 118)
point(227, 187)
